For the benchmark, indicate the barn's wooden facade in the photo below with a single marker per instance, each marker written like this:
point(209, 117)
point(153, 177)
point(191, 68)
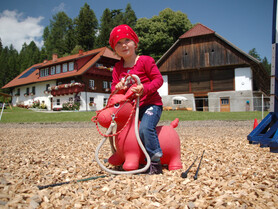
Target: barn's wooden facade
point(202, 62)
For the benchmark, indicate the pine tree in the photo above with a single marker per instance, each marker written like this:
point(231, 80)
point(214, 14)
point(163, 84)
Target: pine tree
point(1, 46)
point(111, 19)
point(13, 65)
point(55, 35)
point(71, 38)
point(29, 55)
point(129, 16)
point(8, 66)
point(266, 65)
point(117, 17)
point(253, 52)
point(105, 29)
point(86, 26)
point(3, 65)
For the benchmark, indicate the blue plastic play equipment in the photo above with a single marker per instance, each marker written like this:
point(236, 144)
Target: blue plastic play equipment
point(266, 133)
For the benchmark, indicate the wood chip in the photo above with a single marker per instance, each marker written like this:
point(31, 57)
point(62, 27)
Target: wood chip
point(233, 173)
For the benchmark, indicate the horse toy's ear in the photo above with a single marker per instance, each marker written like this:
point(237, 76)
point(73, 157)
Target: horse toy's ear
point(130, 94)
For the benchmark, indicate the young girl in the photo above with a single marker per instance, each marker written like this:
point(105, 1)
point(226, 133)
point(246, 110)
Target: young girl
point(125, 41)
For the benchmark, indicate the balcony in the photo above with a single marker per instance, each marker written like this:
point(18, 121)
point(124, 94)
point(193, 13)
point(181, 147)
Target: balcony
point(66, 89)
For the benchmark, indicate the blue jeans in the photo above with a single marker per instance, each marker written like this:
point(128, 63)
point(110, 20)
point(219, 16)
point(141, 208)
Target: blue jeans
point(149, 116)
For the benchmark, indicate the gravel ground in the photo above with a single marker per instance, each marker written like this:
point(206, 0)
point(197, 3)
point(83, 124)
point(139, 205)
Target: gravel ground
point(233, 173)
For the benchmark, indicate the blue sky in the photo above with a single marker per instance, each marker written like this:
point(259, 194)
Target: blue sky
point(245, 23)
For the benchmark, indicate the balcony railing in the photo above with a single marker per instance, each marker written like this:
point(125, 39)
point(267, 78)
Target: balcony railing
point(65, 89)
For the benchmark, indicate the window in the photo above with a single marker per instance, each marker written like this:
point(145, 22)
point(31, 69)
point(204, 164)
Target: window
point(46, 71)
point(91, 83)
point(92, 99)
point(42, 73)
point(47, 86)
point(18, 92)
point(176, 101)
point(65, 67)
point(58, 68)
point(105, 84)
point(105, 101)
point(34, 90)
point(52, 70)
point(110, 85)
point(71, 66)
point(27, 91)
point(225, 101)
point(58, 101)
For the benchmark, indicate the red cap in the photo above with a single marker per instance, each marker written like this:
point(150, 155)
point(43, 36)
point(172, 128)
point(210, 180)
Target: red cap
point(122, 31)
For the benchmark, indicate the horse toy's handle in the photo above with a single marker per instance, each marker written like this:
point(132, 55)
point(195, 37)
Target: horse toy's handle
point(134, 77)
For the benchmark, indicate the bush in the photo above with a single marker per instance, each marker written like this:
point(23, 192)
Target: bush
point(36, 104)
point(71, 106)
point(43, 106)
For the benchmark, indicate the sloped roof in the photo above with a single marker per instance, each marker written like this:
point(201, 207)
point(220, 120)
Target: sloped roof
point(31, 75)
point(197, 30)
point(200, 30)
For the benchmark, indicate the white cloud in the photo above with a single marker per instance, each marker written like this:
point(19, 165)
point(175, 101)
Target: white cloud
point(16, 30)
point(59, 8)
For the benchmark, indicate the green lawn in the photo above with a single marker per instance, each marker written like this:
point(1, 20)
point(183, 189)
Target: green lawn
point(20, 115)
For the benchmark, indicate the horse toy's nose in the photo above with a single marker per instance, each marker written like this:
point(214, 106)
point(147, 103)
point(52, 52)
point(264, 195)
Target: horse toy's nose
point(103, 119)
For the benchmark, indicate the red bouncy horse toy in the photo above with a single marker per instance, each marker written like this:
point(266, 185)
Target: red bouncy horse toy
point(122, 110)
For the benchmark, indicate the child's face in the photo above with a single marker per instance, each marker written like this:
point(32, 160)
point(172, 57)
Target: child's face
point(125, 47)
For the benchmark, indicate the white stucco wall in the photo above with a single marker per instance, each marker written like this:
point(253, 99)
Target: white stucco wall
point(163, 90)
point(98, 99)
point(39, 94)
point(243, 79)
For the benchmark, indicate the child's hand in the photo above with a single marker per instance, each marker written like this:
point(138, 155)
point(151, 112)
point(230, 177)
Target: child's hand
point(120, 85)
point(138, 90)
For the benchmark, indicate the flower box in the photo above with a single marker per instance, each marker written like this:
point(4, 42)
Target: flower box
point(58, 92)
point(77, 88)
point(70, 90)
point(53, 92)
point(63, 91)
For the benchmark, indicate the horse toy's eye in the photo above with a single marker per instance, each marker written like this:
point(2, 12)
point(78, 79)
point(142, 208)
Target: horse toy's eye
point(117, 105)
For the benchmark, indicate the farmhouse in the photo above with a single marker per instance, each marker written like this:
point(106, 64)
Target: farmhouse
point(82, 80)
point(203, 71)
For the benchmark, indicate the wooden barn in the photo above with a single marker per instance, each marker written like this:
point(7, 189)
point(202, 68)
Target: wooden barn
point(202, 71)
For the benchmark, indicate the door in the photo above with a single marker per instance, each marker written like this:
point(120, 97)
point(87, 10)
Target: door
point(225, 104)
point(201, 103)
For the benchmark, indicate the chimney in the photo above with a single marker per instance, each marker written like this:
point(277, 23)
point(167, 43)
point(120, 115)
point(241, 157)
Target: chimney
point(54, 57)
point(80, 52)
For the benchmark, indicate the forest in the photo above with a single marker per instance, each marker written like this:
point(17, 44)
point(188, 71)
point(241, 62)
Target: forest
point(65, 36)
